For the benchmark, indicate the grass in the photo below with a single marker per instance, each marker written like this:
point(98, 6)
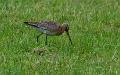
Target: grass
point(94, 29)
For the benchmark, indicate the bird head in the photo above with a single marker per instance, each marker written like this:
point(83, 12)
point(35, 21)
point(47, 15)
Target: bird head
point(66, 27)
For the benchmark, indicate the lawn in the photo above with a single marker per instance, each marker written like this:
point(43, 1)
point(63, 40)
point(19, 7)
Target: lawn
point(94, 29)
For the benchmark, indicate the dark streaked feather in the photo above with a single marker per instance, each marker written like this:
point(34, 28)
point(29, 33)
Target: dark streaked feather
point(49, 25)
point(34, 24)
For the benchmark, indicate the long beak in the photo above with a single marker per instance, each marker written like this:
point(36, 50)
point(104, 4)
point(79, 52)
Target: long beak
point(69, 37)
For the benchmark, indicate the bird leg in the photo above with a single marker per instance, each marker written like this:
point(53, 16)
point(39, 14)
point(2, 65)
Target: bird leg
point(39, 36)
point(46, 39)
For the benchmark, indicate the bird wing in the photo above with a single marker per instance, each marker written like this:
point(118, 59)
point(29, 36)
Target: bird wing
point(33, 24)
point(45, 25)
point(50, 25)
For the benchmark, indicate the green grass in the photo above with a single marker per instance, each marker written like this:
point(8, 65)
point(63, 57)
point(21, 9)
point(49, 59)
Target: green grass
point(94, 29)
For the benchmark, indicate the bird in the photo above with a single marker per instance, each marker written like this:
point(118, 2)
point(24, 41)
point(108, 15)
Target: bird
point(50, 28)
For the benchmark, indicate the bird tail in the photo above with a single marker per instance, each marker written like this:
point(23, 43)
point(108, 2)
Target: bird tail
point(26, 22)
point(33, 24)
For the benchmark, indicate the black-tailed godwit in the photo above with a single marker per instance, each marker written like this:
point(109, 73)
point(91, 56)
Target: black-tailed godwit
point(50, 28)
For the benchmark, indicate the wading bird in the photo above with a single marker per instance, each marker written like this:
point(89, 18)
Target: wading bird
point(50, 28)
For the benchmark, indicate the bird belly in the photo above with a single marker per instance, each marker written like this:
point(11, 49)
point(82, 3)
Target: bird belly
point(53, 33)
point(50, 33)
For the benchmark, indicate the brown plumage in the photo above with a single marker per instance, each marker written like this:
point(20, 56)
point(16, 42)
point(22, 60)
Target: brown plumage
point(50, 28)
